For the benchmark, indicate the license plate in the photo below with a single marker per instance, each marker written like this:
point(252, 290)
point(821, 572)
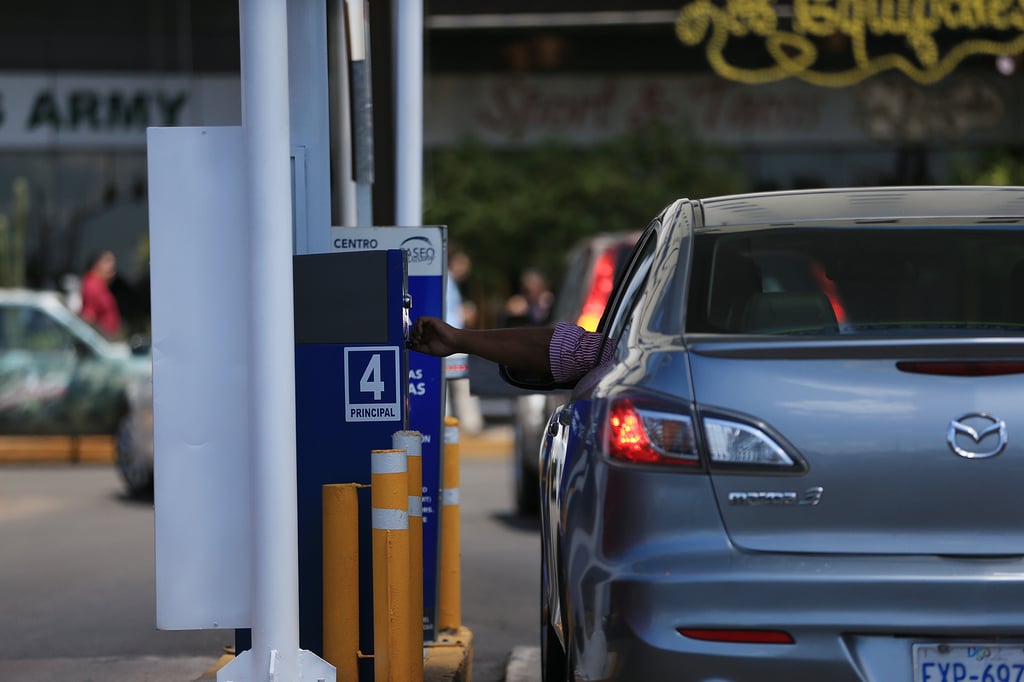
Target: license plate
point(968, 662)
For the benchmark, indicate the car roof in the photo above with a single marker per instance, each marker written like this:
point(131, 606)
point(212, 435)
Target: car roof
point(53, 302)
point(28, 296)
point(866, 204)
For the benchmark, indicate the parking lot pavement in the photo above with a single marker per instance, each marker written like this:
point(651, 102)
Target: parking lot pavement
point(110, 669)
point(523, 665)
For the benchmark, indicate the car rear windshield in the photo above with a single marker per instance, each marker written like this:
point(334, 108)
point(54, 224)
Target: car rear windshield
point(858, 280)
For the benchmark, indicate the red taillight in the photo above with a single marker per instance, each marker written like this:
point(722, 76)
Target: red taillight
point(831, 291)
point(739, 636)
point(600, 289)
point(645, 435)
point(976, 368)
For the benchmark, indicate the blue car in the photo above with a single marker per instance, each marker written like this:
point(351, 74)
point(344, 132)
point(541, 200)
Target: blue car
point(805, 459)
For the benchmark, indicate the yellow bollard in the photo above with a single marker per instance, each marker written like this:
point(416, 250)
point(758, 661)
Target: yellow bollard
point(449, 610)
point(412, 443)
point(341, 579)
point(389, 495)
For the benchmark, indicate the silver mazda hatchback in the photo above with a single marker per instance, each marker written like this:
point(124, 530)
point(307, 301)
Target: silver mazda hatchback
point(805, 460)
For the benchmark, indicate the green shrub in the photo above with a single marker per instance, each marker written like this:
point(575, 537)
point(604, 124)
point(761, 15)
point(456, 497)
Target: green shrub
point(998, 167)
point(516, 208)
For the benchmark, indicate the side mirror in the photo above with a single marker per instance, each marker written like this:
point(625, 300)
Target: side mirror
point(531, 381)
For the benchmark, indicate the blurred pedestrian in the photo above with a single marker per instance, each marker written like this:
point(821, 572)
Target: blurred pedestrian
point(99, 307)
point(531, 306)
point(459, 313)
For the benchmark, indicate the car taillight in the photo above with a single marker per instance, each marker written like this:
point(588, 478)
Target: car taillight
point(735, 443)
point(739, 636)
point(644, 435)
point(600, 289)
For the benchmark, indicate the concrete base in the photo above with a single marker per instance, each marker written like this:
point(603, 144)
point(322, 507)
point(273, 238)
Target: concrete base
point(449, 659)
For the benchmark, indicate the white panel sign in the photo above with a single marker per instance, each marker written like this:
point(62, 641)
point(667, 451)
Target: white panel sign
point(425, 246)
point(372, 388)
point(200, 377)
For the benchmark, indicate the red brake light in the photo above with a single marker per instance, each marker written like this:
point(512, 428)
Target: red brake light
point(648, 436)
point(600, 289)
point(739, 636)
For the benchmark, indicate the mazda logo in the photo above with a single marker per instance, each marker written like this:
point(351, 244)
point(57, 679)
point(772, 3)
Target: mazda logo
point(966, 434)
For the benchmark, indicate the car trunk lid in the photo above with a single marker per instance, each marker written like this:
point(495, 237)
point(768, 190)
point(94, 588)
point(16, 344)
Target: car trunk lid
point(878, 424)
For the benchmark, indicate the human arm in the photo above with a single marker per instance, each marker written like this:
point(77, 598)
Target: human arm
point(562, 353)
point(524, 348)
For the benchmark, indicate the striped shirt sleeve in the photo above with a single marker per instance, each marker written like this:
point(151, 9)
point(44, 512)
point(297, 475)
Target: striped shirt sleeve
point(574, 351)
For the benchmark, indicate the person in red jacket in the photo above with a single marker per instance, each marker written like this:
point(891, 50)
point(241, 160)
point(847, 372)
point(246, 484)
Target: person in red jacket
point(99, 307)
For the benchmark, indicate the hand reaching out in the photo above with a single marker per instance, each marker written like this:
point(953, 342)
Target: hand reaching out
point(432, 336)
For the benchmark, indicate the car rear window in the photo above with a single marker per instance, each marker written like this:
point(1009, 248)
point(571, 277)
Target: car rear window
point(877, 279)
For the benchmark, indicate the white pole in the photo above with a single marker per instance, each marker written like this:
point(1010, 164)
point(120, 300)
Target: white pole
point(265, 124)
point(408, 111)
point(362, 111)
point(344, 184)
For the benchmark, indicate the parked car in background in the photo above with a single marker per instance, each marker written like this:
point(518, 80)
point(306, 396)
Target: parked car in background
point(591, 269)
point(803, 461)
point(62, 380)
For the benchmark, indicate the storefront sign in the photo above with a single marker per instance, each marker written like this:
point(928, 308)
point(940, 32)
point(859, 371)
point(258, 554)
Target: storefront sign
point(924, 39)
point(104, 111)
point(85, 112)
point(967, 107)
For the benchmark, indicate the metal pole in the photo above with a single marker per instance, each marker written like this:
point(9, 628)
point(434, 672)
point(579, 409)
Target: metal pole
point(412, 443)
point(362, 112)
point(344, 184)
point(341, 579)
point(309, 114)
point(265, 123)
point(449, 607)
point(389, 495)
point(408, 112)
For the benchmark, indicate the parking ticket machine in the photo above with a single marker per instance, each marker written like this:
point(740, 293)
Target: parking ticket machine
point(351, 395)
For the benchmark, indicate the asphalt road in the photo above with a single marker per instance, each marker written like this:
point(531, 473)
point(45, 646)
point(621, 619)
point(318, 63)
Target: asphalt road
point(500, 574)
point(77, 579)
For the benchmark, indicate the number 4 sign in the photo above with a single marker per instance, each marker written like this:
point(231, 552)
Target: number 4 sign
point(372, 388)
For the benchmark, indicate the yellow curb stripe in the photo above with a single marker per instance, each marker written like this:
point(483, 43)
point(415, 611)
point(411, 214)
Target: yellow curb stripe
point(93, 449)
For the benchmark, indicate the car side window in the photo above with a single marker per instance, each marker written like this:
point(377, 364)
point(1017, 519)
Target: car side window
point(631, 287)
point(31, 329)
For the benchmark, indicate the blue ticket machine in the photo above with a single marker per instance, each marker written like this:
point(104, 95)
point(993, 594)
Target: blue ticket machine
point(351, 395)
point(426, 252)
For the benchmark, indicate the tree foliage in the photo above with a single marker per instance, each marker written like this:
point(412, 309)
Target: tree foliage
point(513, 209)
point(998, 167)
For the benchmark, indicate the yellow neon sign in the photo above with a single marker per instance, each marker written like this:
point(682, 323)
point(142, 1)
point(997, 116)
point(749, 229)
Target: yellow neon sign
point(795, 54)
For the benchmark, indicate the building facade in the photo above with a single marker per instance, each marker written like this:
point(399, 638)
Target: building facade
point(80, 83)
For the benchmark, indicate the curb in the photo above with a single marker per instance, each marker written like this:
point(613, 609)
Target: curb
point(99, 449)
point(450, 659)
point(491, 443)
